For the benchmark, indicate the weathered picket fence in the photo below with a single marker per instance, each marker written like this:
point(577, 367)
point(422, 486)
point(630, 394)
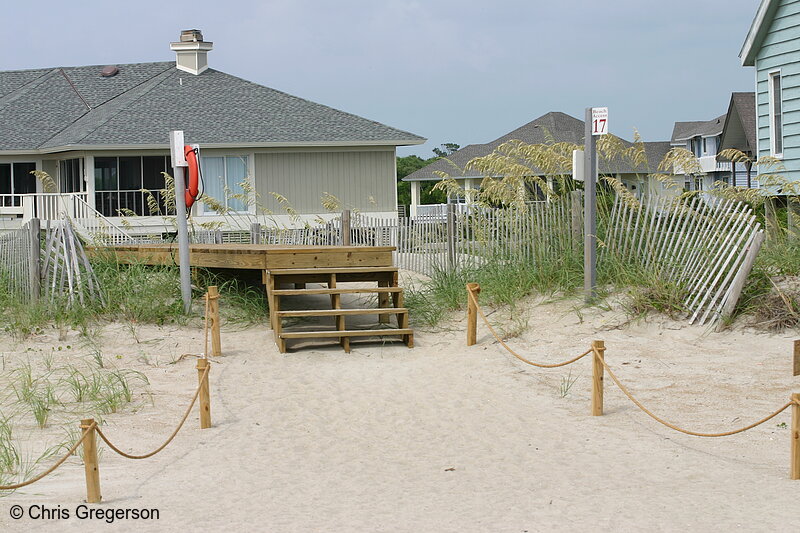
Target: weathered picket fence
point(706, 245)
point(66, 272)
point(19, 261)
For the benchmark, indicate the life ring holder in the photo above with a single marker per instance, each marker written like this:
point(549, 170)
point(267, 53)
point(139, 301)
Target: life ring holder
point(192, 176)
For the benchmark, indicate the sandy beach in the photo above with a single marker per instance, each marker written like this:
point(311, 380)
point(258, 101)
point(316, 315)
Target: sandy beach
point(441, 437)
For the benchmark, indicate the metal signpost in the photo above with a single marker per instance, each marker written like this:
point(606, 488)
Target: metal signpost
point(179, 166)
point(596, 124)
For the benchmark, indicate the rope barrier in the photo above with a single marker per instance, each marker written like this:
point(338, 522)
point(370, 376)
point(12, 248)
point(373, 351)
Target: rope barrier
point(681, 430)
point(174, 433)
point(205, 332)
point(511, 351)
point(54, 467)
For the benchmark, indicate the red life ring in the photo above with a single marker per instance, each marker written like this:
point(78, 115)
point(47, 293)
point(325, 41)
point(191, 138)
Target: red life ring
point(193, 176)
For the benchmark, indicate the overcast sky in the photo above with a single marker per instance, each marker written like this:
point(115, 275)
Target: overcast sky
point(450, 71)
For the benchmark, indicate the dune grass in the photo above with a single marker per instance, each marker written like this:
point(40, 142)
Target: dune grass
point(134, 294)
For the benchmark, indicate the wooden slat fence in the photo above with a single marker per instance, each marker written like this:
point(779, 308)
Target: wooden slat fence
point(699, 243)
point(66, 271)
point(16, 272)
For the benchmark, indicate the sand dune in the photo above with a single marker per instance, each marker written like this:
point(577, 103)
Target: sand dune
point(448, 438)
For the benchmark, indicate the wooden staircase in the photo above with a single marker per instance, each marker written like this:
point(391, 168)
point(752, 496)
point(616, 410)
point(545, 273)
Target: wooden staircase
point(390, 302)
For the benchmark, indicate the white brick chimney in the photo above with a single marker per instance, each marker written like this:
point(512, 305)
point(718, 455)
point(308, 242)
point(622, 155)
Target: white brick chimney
point(191, 52)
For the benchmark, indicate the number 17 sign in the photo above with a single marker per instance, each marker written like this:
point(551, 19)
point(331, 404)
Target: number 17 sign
point(599, 120)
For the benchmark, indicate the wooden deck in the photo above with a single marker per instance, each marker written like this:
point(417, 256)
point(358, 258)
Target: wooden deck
point(259, 256)
point(297, 266)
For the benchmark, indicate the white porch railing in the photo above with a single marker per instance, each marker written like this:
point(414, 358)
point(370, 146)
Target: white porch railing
point(95, 227)
point(51, 207)
point(43, 205)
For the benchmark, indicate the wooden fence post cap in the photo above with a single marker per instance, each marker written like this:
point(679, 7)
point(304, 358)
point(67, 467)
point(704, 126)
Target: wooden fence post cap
point(86, 422)
point(474, 287)
point(796, 397)
point(202, 363)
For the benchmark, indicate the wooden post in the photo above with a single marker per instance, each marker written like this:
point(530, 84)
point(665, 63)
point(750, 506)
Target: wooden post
point(793, 217)
point(795, 468)
point(213, 312)
point(90, 461)
point(451, 237)
point(771, 219)
point(345, 240)
point(472, 313)
point(218, 236)
point(205, 400)
point(34, 259)
point(576, 211)
point(255, 233)
point(796, 361)
point(598, 354)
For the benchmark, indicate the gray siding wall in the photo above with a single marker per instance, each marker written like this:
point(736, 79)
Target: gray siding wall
point(363, 180)
point(779, 51)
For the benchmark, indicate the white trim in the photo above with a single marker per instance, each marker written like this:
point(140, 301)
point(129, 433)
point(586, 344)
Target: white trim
point(250, 145)
point(770, 104)
point(755, 28)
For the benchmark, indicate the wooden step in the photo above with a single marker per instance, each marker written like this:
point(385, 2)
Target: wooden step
point(344, 312)
point(341, 270)
point(300, 292)
point(344, 333)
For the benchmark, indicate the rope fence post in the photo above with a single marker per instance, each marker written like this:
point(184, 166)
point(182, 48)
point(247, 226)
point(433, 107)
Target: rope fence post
point(90, 461)
point(213, 308)
point(795, 466)
point(205, 400)
point(598, 356)
point(473, 290)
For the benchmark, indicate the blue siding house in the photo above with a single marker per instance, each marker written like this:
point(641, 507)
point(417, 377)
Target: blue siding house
point(772, 46)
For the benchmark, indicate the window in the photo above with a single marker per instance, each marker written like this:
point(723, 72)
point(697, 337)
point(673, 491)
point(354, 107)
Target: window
point(697, 147)
point(775, 114)
point(120, 184)
point(222, 180)
point(705, 146)
point(70, 175)
point(16, 178)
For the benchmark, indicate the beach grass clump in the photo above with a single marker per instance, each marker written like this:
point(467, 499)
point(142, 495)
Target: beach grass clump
point(9, 452)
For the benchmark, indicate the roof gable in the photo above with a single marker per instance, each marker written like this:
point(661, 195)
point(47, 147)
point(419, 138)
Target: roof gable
point(758, 30)
point(740, 124)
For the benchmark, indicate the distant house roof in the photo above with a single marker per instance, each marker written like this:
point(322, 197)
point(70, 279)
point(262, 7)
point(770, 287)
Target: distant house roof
point(758, 30)
point(683, 131)
point(740, 124)
point(552, 127)
point(56, 109)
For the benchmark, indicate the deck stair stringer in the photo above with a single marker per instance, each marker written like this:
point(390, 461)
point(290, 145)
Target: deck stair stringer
point(389, 294)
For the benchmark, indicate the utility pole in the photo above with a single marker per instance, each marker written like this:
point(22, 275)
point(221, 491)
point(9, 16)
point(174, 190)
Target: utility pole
point(179, 166)
point(596, 124)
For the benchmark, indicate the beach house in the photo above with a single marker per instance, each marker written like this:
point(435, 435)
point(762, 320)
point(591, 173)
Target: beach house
point(553, 127)
point(102, 133)
point(705, 139)
point(772, 46)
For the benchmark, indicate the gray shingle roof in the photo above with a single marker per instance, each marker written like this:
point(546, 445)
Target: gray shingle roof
point(552, 127)
point(703, 128)
point(39, 110)
point(740, 125)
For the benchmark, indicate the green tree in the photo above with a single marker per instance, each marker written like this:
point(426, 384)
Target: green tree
point(410, 164)
point(446, 149)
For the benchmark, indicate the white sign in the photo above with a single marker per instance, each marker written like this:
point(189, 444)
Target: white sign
point(176, 149)
point(599, 120)
point(577, 165)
